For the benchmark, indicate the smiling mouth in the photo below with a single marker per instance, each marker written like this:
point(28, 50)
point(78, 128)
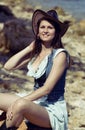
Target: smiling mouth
point(45, 35)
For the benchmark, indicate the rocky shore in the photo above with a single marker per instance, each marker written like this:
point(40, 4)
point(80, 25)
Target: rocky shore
point(16, 33)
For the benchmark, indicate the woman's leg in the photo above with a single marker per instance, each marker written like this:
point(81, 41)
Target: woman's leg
point(36, 114)
point(6, 100)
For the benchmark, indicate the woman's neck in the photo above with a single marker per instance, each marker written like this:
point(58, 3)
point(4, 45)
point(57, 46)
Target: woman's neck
point(46, 49)
point(46, 45)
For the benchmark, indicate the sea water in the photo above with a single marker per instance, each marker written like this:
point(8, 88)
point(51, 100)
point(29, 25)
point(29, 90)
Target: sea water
point(74, 7)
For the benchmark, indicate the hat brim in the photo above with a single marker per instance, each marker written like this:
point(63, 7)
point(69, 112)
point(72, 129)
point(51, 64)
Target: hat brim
point(38, 14)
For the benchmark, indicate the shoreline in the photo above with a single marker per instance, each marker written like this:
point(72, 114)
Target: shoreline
point(76, 10)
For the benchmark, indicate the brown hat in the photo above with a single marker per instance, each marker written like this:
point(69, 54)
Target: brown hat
point(52, 15)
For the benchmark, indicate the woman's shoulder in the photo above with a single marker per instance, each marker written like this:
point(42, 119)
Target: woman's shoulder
point(59, 50)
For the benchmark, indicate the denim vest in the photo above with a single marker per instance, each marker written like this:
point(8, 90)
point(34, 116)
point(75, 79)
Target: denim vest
point(57, 94)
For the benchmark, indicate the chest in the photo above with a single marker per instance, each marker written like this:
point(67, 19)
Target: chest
point(38, 60)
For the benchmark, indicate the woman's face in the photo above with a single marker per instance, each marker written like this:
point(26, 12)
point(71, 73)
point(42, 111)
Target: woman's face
point(46, 31)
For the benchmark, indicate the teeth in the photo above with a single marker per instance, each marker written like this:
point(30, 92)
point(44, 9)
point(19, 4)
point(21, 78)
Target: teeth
point(45, 35)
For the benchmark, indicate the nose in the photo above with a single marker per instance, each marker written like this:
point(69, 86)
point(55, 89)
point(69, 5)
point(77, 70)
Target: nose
point(45, 30)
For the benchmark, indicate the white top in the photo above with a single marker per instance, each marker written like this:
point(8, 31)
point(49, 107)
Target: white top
point(57, 111)
point(42, 67)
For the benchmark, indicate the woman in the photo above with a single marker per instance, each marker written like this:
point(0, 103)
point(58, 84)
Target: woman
point(47, 62)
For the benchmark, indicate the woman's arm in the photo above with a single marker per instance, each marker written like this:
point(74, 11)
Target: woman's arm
point(59, 65)
point(19, 59)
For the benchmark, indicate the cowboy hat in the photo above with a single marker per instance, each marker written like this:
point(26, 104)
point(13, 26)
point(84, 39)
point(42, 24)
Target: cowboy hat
point(52, 15)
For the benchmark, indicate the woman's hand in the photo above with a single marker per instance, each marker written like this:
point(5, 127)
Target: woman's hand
point(9, 114)
point(10, 111)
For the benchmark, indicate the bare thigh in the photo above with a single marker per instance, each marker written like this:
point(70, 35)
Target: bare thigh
point(6, 100)
point(36, 114)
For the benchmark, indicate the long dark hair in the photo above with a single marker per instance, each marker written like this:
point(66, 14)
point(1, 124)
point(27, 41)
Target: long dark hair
point(56, 42)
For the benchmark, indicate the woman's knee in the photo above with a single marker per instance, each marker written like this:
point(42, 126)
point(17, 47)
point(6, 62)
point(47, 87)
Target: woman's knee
point(20, 105)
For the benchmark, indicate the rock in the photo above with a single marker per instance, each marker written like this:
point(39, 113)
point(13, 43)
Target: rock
point(4, 48)
point(82, 23)
point(74, 42)
point(18, 34)
point(60, 11)
point(75, 102)
point(63, 15)
point(5, 14)
point(79, 28)
point(16, 82)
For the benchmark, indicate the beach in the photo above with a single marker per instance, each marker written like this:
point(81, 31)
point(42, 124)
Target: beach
point(12, 40)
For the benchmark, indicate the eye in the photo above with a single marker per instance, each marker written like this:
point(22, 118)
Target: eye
point(50, 27)
point(42, 26)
